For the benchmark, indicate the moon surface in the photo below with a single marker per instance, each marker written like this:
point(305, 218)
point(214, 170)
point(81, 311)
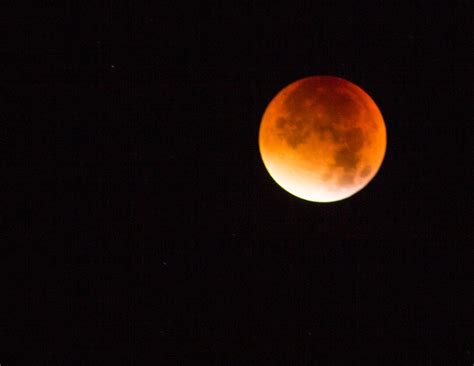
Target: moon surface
point(322, 138)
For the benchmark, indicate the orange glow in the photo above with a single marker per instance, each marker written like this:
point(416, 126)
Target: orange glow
point(322, 138)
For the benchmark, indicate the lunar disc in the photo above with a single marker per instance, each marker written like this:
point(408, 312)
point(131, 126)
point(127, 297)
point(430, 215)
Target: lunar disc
point(322, 138)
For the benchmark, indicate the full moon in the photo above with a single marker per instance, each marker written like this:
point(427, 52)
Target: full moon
point(322, 138)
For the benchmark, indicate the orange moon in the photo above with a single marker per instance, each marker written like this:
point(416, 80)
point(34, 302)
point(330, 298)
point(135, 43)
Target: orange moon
point(322, 138)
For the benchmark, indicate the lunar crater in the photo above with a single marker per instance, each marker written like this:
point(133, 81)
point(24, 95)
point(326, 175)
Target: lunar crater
point(293, 131)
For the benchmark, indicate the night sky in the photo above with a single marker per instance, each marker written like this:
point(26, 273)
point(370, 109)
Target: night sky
point(151, 232)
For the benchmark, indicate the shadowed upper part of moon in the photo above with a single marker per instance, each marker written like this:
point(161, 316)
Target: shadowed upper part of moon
point(330, 96)
point(328, 110)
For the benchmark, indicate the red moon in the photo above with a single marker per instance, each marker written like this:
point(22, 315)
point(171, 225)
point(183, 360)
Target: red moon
point(322, 138)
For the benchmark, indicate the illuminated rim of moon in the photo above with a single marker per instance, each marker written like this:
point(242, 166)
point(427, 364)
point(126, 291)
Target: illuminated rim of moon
point(322, 138)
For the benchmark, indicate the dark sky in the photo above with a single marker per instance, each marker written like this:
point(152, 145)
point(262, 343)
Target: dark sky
point(154, 234)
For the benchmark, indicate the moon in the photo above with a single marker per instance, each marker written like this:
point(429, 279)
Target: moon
point(322, 138)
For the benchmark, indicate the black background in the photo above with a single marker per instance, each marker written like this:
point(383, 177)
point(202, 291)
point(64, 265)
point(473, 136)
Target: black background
point(154, 234)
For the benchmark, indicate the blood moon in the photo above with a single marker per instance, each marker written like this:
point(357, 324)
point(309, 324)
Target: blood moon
point(322, 138)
